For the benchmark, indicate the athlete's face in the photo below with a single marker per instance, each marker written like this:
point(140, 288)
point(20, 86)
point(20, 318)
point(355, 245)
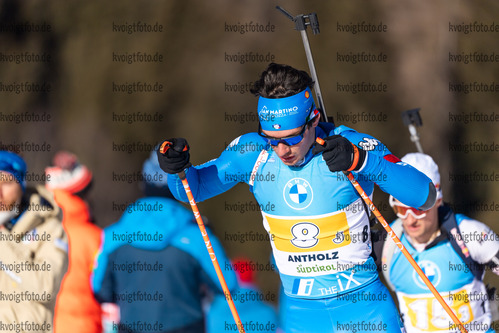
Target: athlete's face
point(10, 191)
point(291, 155)
point(422, 229)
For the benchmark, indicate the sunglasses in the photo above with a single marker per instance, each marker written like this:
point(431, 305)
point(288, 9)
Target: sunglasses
point(288, 141)
point(403, 211)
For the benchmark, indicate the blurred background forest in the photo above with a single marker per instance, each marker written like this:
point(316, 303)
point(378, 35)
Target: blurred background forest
point(205, 96)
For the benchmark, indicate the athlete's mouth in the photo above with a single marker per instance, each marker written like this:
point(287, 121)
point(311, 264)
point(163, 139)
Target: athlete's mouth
point(413, 227)
point(287, 158)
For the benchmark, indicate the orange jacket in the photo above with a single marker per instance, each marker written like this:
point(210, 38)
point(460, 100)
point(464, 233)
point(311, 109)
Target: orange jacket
point(76, 308)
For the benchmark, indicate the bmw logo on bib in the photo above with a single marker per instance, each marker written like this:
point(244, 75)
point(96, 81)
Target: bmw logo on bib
point(431, 270)
point(298, 193)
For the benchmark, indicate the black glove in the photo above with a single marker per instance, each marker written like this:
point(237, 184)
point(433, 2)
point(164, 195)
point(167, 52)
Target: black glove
point(340, 154)
point(173, 155)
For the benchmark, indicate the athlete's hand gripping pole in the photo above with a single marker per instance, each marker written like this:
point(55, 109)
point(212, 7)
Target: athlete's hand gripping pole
point(401, 246)
point(164, 147)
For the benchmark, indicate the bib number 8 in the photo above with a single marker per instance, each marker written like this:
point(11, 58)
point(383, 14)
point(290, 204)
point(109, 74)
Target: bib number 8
point(304, 234)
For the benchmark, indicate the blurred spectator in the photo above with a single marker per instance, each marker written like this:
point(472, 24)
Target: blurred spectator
point(33, 250)
point(256, 315)
point(153, 263)
point(76, 308)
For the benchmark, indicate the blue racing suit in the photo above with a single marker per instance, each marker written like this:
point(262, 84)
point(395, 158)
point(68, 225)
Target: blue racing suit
point(317, 222)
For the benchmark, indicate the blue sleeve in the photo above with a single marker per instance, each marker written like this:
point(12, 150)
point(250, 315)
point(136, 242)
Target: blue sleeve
point(404, 182)
point(191, 241)
point(221, 174)
point(100, 269)
point(104, 293)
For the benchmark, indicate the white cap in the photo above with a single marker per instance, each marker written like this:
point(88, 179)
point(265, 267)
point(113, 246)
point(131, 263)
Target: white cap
point(426, 165)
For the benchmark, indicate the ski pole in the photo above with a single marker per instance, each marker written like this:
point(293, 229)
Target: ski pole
point(401, 246)
point(164, 147)
point(301, 25)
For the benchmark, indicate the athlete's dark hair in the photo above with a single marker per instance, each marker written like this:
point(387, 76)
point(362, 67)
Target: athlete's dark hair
point(279, 81)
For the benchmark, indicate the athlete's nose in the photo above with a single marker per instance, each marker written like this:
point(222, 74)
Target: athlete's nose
point(282, 149)
point(410, 219)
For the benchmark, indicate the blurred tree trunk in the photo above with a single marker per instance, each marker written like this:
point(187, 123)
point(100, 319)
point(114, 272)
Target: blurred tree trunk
point(419, 43)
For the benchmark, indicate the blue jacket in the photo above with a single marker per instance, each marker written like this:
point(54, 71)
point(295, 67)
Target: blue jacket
point(152, 263)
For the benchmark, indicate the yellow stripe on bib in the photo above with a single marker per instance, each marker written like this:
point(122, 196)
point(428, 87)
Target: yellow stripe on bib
point(308, 234)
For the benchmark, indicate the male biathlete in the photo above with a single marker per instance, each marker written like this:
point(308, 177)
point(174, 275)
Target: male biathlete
point(318, 224)
point(453, 250)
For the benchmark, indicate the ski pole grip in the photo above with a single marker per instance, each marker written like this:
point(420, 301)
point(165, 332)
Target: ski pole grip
point(322, 142)
point(165, 146)
point(181, 175)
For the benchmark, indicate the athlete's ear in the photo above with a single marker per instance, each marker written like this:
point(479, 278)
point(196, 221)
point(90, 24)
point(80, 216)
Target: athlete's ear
point(439, 202)
point(316, 120)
